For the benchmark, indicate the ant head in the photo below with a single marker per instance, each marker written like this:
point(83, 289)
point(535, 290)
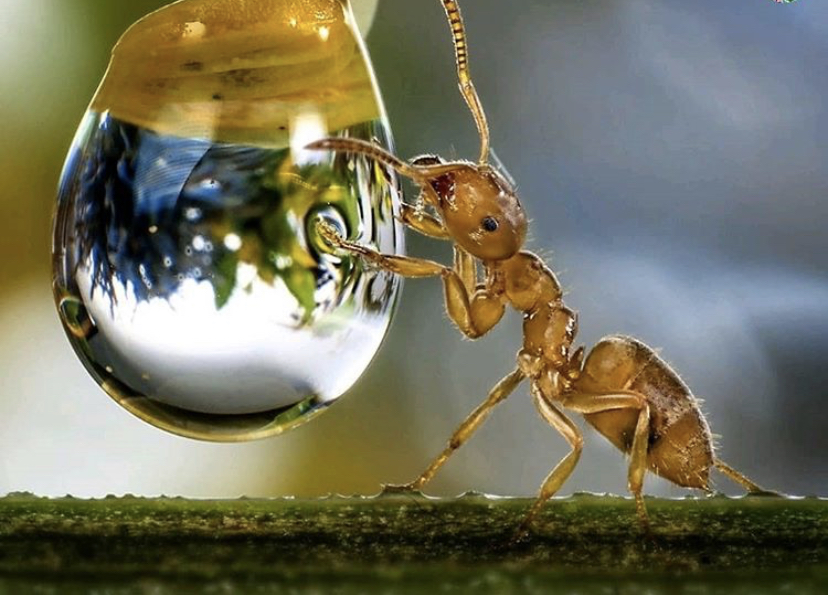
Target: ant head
point(478, 206)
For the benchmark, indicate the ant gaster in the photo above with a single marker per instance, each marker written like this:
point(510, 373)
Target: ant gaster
point(622, 387)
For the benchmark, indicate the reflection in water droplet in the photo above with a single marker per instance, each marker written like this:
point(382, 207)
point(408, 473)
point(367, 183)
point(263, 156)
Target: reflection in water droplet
point(75, 317)
point(189, 275)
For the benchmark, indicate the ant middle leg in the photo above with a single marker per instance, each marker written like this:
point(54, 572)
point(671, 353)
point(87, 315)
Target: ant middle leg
point(461, 435)
point(586, 403)
point(475, 308)
point(556, 478)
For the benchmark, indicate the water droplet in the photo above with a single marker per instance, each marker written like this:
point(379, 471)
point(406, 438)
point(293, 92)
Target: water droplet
point(189, 275)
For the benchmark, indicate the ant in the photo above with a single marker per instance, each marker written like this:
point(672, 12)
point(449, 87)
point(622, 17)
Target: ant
point(622, 387)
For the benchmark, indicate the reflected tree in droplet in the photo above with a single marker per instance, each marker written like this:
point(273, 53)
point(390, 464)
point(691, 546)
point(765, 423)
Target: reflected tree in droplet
point(188, 272)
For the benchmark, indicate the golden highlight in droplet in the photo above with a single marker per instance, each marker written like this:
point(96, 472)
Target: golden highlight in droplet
point(240, 71)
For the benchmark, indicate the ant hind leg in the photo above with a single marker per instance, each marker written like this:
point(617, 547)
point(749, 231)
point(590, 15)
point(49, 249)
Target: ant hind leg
point(739, 478)
point(587, 403)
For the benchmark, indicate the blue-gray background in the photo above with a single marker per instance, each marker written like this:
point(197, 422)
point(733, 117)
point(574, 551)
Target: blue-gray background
point(673, 156)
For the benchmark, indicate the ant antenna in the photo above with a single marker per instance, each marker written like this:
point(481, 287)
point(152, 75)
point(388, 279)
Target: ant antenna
point(458, 30)
point(419, 173)
point(355, 145)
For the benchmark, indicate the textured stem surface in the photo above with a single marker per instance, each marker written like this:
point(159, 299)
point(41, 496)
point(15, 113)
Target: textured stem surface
point(408, 543)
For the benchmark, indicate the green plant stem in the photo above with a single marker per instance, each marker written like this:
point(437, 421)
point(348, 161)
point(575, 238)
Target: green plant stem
point(410, 539)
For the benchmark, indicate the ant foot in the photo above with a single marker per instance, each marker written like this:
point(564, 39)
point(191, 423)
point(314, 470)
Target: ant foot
point(405, 488)
point(522, 535)
point(763, 493)
point(329, 233)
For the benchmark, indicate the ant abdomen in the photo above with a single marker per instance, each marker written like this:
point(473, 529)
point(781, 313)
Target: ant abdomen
point(679, 443)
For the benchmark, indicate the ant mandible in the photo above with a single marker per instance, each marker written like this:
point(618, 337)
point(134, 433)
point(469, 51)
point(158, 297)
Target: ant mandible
point(622, 388)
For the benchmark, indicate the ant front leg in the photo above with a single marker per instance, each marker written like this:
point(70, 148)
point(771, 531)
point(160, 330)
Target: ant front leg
point(419, 220)
point(466, 267)
point(474, 315)
point(474, 308)
point(401, 265)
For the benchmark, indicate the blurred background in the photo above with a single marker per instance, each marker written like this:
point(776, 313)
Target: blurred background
point(672, 156)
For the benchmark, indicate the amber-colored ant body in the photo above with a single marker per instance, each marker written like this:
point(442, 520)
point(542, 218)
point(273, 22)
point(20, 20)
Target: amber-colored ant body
point(622, 387)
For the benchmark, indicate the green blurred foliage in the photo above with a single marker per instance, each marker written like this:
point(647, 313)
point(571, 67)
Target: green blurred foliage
point(54, 56)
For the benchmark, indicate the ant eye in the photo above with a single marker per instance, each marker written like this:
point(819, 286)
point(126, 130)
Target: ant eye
point(490, 224)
